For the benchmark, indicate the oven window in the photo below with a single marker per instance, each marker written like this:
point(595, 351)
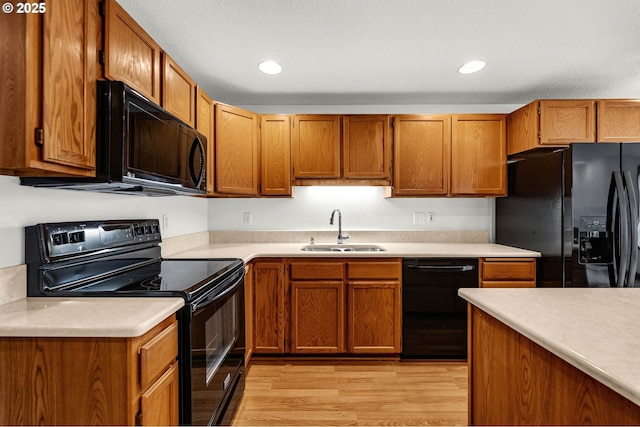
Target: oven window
point(220, 333)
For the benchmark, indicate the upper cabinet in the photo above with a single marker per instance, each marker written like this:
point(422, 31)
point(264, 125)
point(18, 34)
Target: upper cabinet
point(236, 151)
point(479, 155)
point(205, 113)
point(275, 155)
point(551, 123)
point(130, 54)
point(315, 146)
point(178, 91)
point(48, 100)
point(421, 155)
point(366, 151)
point(618, 120)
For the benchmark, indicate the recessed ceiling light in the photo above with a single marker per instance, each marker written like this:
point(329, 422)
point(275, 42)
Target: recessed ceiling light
point(471, 67)
point(270, 67)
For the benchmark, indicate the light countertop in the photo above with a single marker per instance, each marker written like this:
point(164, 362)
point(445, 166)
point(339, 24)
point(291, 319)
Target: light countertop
point(84, 317)
point(249, 251)
point(597, 330)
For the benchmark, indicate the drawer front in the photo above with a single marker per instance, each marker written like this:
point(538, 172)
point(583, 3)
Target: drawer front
point(158, 354)
point(374, 270)
point(317, 270)
point(509, 270)
point(509, 284)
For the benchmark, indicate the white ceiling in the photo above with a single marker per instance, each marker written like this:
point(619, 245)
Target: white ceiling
point(402, 52)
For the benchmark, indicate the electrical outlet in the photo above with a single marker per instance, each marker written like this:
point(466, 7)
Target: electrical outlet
point(431, 217)
point(165, 221)
point(247, 218)
point(419, 218)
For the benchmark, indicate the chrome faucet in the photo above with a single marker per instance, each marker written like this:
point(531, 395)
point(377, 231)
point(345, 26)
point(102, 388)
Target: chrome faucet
point(340, 236)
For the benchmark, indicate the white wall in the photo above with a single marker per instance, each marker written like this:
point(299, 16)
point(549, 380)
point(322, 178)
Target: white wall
point(363, 208)
point(21, 206)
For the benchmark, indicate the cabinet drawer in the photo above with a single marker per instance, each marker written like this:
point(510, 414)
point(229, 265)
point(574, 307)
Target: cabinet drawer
point(317, 270)
point(374, 270)
point(505, 269)
point(157, 354)
point(509, 284)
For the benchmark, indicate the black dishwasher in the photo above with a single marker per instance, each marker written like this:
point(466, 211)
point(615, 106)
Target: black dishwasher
point(434, 317)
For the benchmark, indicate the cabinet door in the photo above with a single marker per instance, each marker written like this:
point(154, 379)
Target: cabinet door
point(366, 152)
point(248, 309)
point(567, 121)
point(619, 120)
point(421, 155)
point(159, 404)
point(523, 129)
point(205, 113)
point(131, 55)
point(269, 307)
point(178, 91)
point(315, 147)
point(317, 317)
point(374, 317)
point(69, 83)
point(236, 151)
point(275, 154)
point(478, 155)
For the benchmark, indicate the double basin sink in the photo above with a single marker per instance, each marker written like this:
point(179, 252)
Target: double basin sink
point(342, 248)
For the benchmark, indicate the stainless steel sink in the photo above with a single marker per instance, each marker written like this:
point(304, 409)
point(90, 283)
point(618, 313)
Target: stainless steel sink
point(343, 248)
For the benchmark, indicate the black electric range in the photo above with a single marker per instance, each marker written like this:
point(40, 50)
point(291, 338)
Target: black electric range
point(123, 258)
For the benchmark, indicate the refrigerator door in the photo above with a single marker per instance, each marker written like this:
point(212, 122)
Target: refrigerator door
point(599, 213)
point(630, 161)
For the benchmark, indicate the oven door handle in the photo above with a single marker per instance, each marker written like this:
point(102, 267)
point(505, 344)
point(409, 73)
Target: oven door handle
point(213, 296)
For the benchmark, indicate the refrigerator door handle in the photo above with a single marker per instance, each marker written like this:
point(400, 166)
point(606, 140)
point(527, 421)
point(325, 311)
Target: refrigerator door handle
point(633, 228)
point(623, 226)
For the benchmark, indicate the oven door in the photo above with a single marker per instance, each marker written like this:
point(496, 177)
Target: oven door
point(213, 362)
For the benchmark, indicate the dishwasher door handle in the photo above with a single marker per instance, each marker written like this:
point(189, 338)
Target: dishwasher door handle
point(442, 268)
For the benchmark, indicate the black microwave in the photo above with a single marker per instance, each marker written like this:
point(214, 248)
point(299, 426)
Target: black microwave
point(140, 149)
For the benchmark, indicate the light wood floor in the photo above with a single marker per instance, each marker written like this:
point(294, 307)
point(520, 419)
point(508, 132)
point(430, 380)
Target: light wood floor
point(354, 393)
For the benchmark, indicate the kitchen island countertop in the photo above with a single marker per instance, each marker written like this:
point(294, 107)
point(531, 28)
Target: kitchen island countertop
point(594, 329)
point(249, 251)
point(84, 317)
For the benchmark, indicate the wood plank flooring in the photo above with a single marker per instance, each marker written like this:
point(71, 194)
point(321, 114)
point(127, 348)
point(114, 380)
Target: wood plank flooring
point(302, 393)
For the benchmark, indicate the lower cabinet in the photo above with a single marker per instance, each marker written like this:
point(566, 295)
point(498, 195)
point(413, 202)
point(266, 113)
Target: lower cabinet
point(327, 306)
point(91, 381)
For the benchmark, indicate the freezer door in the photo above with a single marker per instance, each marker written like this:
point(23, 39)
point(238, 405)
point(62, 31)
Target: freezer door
point(597, 216)
point(630, 155)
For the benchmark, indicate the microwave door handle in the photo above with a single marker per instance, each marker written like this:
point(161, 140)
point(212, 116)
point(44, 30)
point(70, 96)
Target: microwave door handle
point(633, 228)
point(196, 145)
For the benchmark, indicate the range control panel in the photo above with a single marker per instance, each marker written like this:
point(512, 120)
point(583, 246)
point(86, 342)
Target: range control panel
point(68, 238)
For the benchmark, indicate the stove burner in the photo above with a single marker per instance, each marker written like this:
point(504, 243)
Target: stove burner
point(152, 284)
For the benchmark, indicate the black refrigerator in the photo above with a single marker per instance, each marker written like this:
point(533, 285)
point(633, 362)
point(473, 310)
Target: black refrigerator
point(578, 207)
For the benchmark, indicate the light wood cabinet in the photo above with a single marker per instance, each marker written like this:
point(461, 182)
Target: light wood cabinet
point(178, 91)
point(618, 120)
point(551, 123)
point(91, 381)
point(374, 307)
point(479, 155)
point(236, 151)
point(315, 146)
point(366, 152)
point(275, 155)
point(507, 273)
point(48, 98)
point(205, 114)
point(131, 55)
point(317, 316)
point(269, 304)
point(249, 302)
point(421, 155)
point(514, 381)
